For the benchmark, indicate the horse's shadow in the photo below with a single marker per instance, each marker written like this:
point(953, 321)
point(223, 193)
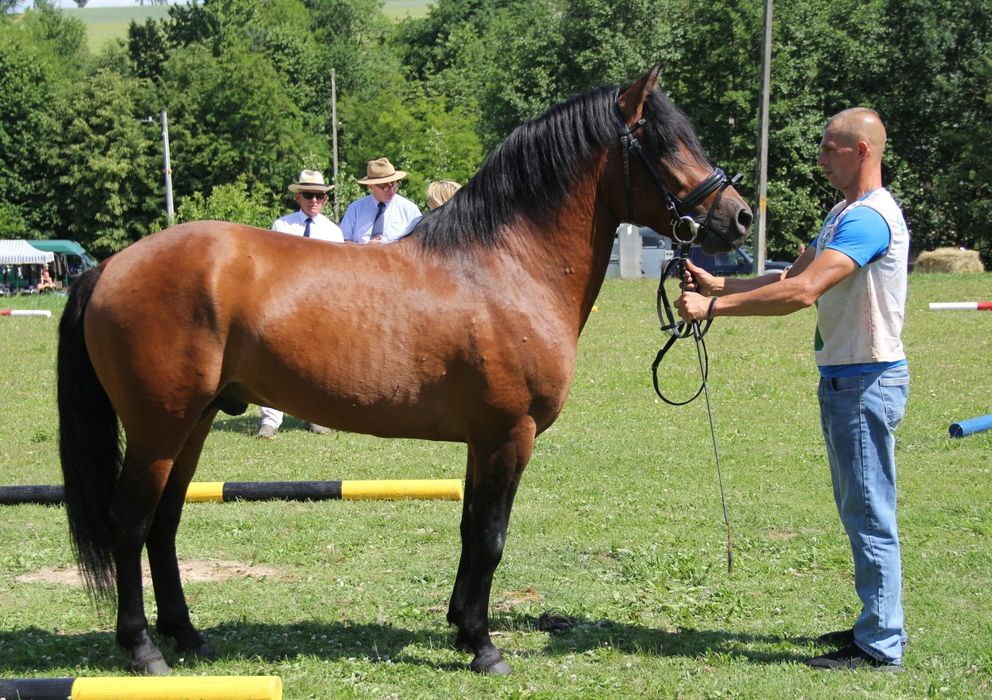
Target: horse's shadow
point(34, 650)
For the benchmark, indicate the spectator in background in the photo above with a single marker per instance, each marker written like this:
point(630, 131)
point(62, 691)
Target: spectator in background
point(383, 216)
point(441, 191)
point(45, 282)
point(310, 194)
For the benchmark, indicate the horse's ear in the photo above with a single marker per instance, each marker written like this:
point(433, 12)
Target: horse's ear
point(631, 100)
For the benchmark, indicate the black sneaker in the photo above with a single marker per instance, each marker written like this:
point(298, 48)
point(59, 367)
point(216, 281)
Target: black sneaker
point(840, 638)
point(849, 658)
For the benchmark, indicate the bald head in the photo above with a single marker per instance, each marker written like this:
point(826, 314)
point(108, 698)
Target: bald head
point(859, 124)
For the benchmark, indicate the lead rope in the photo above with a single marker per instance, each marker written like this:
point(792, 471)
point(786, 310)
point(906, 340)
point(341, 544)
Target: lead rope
point(700, 346)
point(680, 329)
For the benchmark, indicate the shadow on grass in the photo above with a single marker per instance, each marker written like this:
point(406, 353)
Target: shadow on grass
point(33, 651)
point(248, 424)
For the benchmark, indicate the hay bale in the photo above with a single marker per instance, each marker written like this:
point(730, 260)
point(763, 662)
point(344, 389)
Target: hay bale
point(949, 260)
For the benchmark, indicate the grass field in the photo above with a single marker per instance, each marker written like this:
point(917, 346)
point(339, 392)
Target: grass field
point(617, 523)
point(104, 24)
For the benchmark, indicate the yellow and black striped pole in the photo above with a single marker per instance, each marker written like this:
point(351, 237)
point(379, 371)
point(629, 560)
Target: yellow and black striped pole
point(137, 688)
point(226, 491)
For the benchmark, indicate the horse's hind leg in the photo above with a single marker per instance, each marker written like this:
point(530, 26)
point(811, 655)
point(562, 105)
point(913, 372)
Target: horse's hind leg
point(135, 499)
point(499, 465)
point(173, 613)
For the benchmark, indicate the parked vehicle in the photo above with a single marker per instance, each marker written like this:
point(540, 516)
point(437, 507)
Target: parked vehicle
point(657, 250)
point(735, 262)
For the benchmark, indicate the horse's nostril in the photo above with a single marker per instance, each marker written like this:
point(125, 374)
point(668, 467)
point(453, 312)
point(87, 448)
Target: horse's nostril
point(744, 218)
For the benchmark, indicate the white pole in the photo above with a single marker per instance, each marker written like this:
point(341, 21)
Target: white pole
point(25, 312)
point(169, 212)
point(766, 80)
point(961, 306)
point(334, 137)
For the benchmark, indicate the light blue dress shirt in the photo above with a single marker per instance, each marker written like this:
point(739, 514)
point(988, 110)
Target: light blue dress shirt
point(356, 224)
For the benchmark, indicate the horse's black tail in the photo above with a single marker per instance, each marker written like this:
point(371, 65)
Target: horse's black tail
point(89, 445)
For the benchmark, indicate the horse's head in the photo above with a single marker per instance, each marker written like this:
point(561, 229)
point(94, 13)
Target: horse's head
point(670, 184)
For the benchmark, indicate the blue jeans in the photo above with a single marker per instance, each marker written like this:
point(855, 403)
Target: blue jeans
point(859, 416)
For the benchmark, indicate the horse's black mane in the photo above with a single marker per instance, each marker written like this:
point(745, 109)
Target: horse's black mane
point(535, 168)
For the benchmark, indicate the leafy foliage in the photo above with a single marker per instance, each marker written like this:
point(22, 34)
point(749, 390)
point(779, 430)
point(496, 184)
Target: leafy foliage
point(231, 202)
point(247, 85)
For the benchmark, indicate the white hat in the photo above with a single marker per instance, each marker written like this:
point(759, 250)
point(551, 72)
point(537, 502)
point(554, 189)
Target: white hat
point(310, 181)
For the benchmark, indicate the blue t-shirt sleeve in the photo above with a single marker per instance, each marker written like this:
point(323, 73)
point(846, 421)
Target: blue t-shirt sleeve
point(862, 235)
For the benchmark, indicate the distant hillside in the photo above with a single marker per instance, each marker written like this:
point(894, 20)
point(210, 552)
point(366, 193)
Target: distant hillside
point(105, 24)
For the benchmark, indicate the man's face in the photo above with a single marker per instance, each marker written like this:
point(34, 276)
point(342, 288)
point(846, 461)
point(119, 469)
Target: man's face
point(838, 159)
point(384, 192)
point(311, 202)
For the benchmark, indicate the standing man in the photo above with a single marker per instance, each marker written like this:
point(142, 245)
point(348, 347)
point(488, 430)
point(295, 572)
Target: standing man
point(383, 216)
point(310, 194)
point(855, 272)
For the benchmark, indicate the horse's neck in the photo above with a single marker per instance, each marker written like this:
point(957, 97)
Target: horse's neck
point(574, 252)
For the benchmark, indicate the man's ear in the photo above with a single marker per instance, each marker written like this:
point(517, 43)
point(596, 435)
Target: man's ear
point(631, 100)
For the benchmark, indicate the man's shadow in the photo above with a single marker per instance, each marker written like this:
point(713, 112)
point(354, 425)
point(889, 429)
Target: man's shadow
point(34, 650)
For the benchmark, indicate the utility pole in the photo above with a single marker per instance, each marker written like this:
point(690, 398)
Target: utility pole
point(766, 79)
point(169, 211)
point(334, 137)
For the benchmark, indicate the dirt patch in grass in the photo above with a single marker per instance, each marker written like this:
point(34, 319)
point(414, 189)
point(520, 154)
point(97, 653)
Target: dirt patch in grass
point(192, 571)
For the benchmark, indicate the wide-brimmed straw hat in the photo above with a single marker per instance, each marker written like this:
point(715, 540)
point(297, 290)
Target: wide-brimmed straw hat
point(381, 171)
point(310, 181)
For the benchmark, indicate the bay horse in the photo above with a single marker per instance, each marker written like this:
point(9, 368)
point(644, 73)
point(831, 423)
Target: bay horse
point(465, 331)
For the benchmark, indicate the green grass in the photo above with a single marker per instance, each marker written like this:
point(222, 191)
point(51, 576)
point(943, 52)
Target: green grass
point(105, 24)
point(617, 523)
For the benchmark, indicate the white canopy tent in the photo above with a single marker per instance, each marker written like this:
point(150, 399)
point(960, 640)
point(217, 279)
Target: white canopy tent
point(20, 252)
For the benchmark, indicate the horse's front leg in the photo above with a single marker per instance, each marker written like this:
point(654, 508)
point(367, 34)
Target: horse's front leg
point(456, 606)
point(499, 464)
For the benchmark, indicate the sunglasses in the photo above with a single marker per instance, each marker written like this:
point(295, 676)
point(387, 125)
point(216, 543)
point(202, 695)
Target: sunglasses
point(319, 196)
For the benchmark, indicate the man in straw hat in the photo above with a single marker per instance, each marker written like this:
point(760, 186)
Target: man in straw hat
point(383, 216)
point(310, 193)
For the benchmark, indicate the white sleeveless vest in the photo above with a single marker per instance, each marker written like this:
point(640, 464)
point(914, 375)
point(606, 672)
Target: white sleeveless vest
point(860, 319)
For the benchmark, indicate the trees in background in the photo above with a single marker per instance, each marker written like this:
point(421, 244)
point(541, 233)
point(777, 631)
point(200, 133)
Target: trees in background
point(247, 87)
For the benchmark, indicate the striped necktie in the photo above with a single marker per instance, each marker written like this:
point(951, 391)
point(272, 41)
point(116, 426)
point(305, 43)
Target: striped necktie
point(306, 231)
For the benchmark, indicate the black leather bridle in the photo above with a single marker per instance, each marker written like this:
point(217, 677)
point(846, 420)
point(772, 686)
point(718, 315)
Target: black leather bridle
point(685, 229)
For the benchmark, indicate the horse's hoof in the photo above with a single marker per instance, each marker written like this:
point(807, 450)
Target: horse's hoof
point(497, 668)
point(150, 666)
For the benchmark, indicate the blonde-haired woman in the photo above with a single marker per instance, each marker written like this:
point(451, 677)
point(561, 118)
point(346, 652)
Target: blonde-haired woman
point(440, 192)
